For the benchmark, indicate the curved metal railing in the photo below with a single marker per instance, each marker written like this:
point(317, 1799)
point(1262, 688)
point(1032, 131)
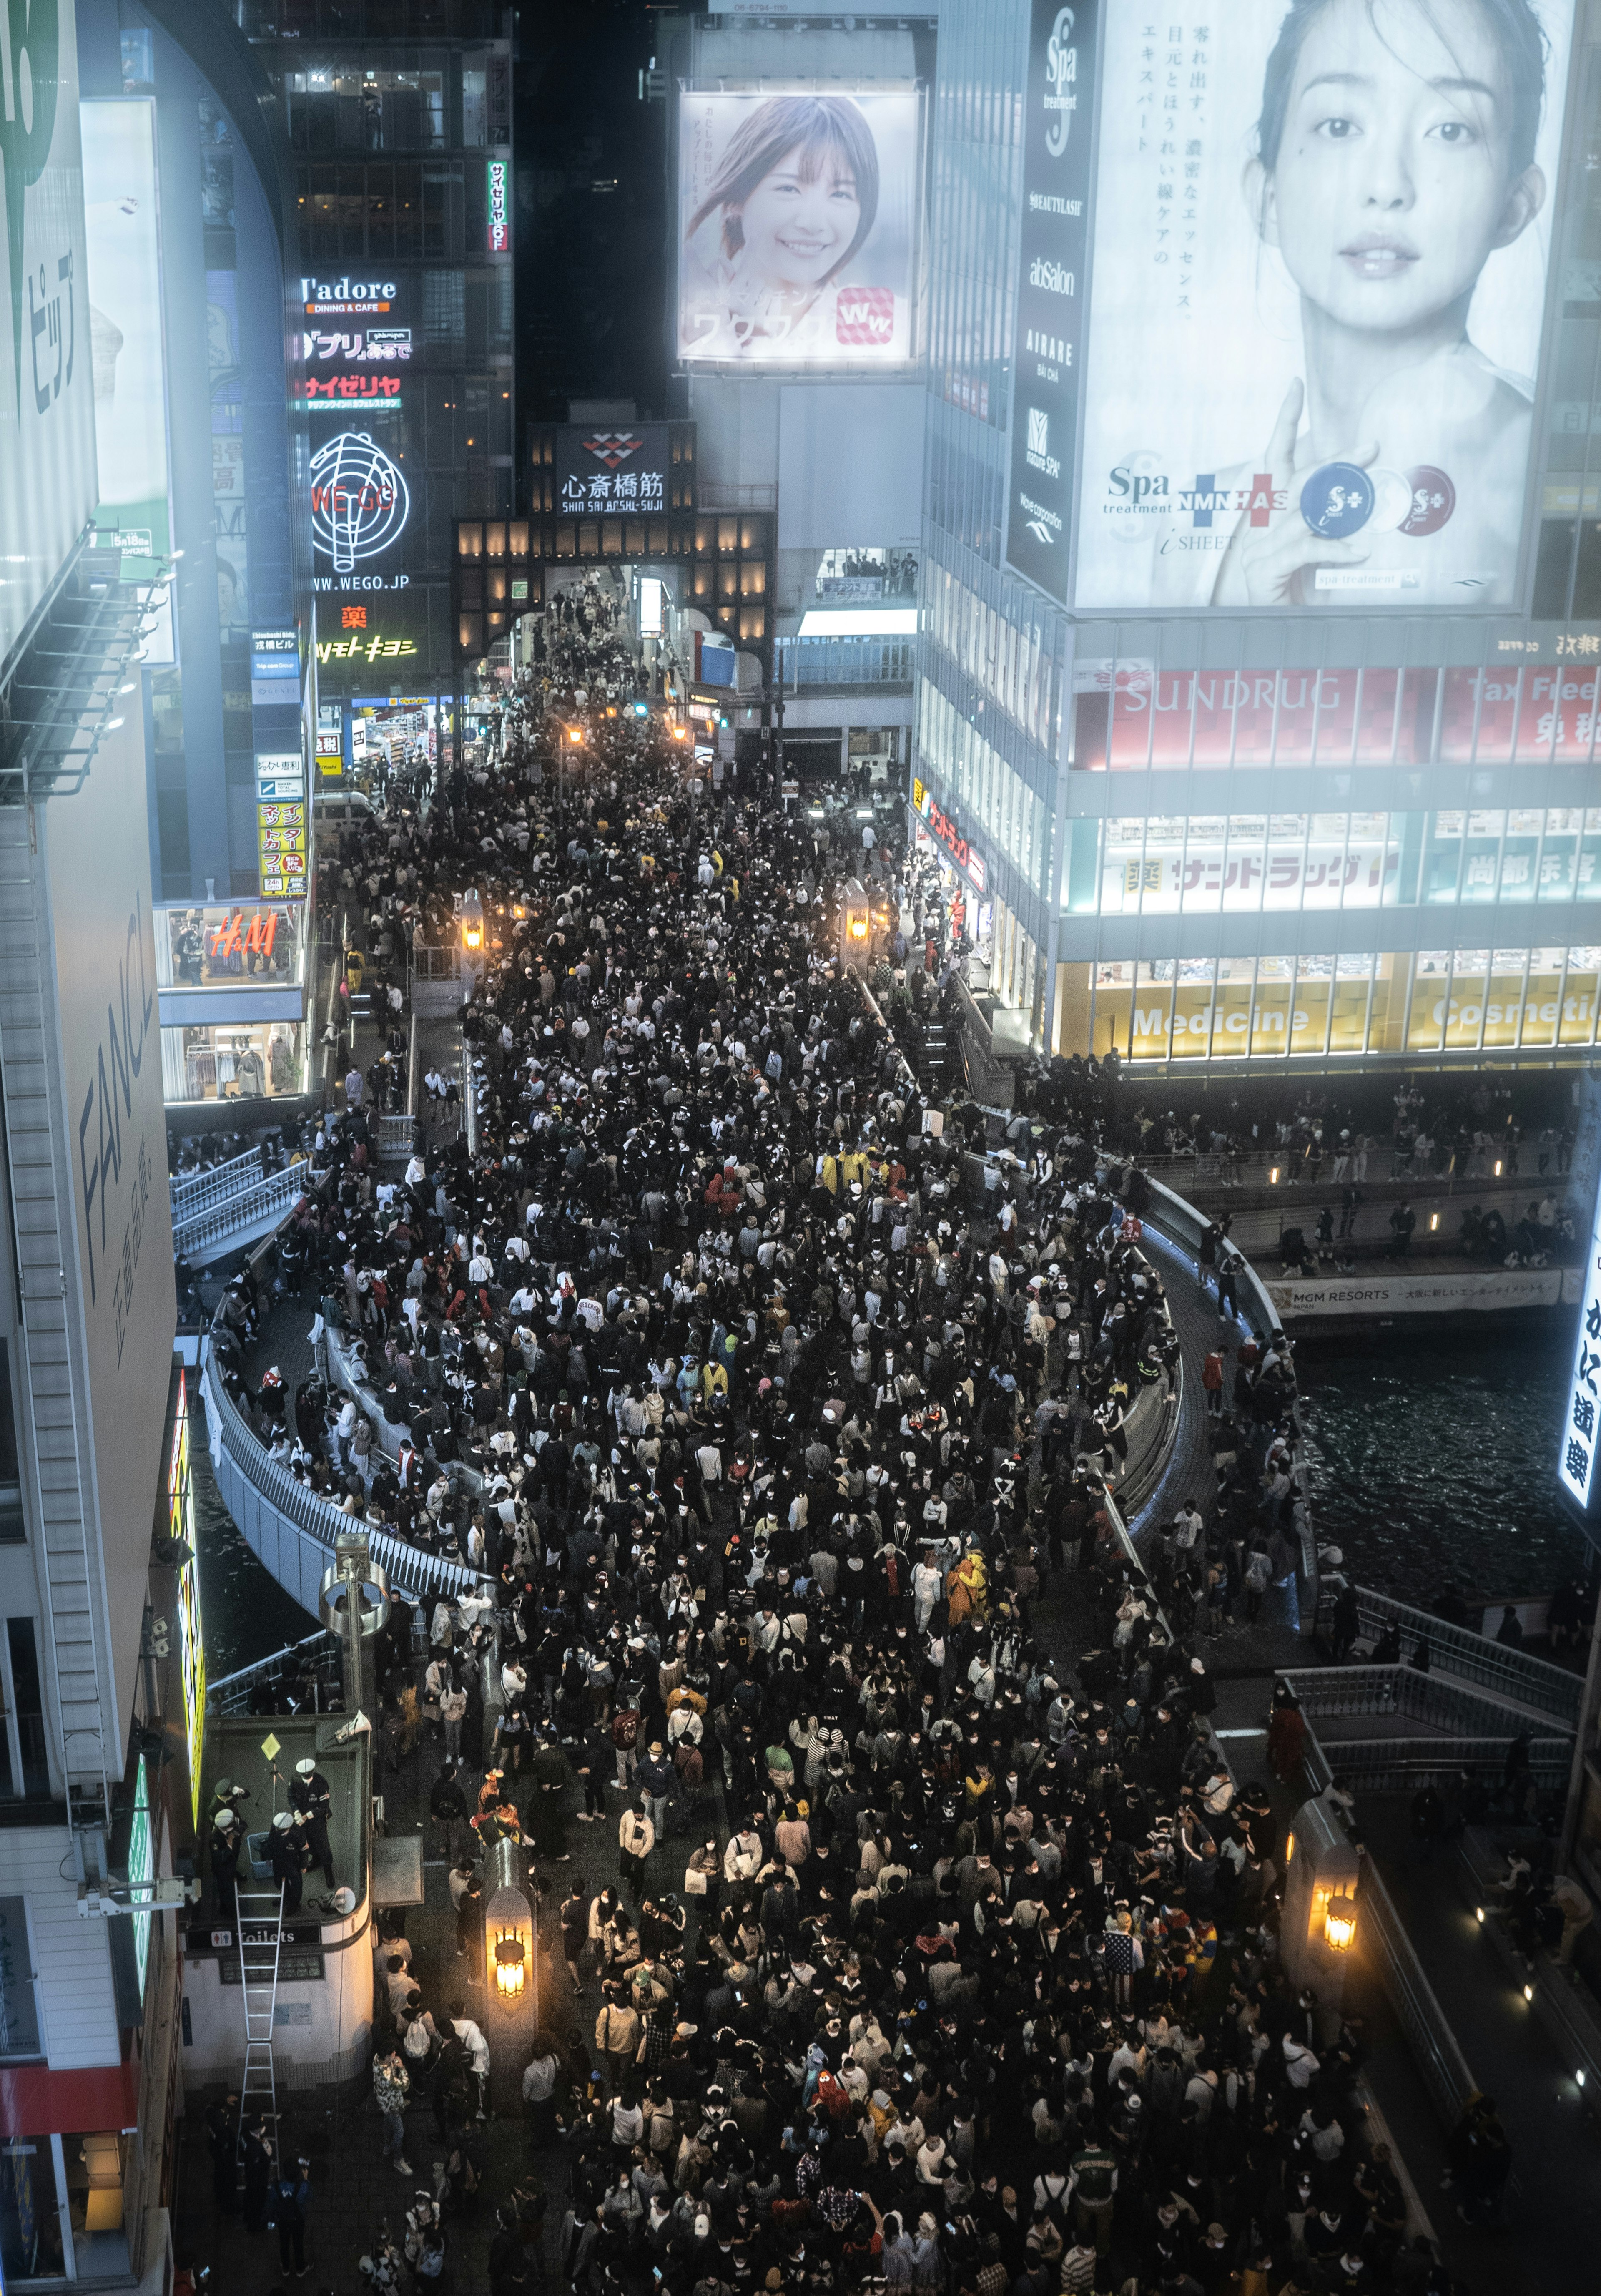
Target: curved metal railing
point(312, 1517)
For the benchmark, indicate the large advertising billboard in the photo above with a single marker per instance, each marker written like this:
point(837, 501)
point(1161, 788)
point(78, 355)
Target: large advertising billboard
point(46, 364)
point(797, 219)
point(1320, 248)
point(1047, 348)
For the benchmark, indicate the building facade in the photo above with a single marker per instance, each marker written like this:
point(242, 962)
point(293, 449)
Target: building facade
point(1191, 826)
point(399, 120)
point(808, 419)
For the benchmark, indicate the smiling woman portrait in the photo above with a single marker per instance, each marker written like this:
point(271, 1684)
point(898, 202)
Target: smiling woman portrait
point(776, 214)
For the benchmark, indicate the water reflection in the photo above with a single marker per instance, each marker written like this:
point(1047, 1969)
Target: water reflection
point(1433, 1458)
point(246, 1612)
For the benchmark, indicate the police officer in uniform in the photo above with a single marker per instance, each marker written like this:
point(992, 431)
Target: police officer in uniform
point(227, 1840)
point(287, 1855)
point(308, 1792)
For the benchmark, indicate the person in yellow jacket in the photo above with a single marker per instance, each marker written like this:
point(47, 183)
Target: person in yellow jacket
point(967, 1588)
point(828, 1172)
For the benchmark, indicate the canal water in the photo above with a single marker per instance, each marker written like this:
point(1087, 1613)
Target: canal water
point(245, 1613)
point(1433, 1458)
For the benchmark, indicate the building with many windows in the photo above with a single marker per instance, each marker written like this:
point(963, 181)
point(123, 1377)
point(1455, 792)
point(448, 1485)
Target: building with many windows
point(399, 122)
point(1191, 821)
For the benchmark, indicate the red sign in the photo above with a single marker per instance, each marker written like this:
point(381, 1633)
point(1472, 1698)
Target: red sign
point(955, 844)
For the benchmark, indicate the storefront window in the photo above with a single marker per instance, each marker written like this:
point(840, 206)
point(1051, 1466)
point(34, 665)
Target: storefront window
point(264, 1060)
point(95, 2166)
point(1207, 863)
point(30, 2222)
point(231, 948)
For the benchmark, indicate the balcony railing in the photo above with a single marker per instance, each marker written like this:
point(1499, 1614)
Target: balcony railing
point(844, 661)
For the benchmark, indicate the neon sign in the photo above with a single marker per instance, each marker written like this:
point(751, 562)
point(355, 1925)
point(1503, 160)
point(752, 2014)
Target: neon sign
point(946, 830)
point(192, 1640)
point(142, 1872)
point(359, 499)
point(373, 648)
point(499, 220)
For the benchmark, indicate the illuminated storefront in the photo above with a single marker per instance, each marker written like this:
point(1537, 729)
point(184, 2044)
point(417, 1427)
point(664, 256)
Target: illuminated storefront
point(1274, 1007)
point(231, 982)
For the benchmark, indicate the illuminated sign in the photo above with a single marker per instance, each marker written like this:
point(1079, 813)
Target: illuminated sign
point(365, 646)
point(141, 1873)
point(945, 829)
point(338, 298)
point(359, 500)
point(180, 1523)
point(274, 670)
point(500, 218)
point(612, 470)
point(1576, 1444)
point(280, 825)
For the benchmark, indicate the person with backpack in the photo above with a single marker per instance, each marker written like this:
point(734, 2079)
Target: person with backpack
point(625, 1739)
point(1093, 2184)
point(287, 2207)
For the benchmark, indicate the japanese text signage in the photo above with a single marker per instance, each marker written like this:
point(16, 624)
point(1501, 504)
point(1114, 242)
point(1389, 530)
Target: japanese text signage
point(499, 208)
point(603, 470)
point(1051, 289)
point(281, 824)
point(1576, 1445)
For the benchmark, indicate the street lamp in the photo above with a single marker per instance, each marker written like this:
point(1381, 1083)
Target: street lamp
point(510, 1979)
point(855, 923)
point(472, 922)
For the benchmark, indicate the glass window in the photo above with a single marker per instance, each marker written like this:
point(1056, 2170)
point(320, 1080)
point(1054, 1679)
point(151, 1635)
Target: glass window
point(95, 2170)
point(19, 1993)
point(31, 2221)
point(241, 945)
point(264, 1060)
point(28, 1707)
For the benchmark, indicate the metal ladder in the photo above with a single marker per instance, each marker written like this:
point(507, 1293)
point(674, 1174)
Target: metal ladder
point(259, 1910)
point(42, 1222)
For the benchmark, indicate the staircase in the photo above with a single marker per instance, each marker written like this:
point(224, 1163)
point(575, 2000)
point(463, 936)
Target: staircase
point(232, 1205)
point(259, 1915)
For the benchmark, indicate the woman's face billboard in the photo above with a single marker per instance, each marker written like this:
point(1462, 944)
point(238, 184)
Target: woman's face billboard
point(797, 228)
point(1321, 246)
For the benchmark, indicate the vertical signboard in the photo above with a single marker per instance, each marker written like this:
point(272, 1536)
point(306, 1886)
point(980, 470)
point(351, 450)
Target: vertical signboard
point(1047, 352)
point(500, 208)
point(1576, 1444)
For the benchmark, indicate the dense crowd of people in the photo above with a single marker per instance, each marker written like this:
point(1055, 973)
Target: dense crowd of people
point(942, 1950)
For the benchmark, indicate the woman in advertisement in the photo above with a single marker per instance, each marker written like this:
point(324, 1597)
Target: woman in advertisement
point(1394, 156)
point(792, 199)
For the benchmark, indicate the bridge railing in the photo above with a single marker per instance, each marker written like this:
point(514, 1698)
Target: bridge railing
point(1438, 1702)
point(315, 1660)
point(1184, 1225)
point(1435, 2049)
point(292, 1528)
point(1514, 1674)
point(247, 1206)
point(196, 1191)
